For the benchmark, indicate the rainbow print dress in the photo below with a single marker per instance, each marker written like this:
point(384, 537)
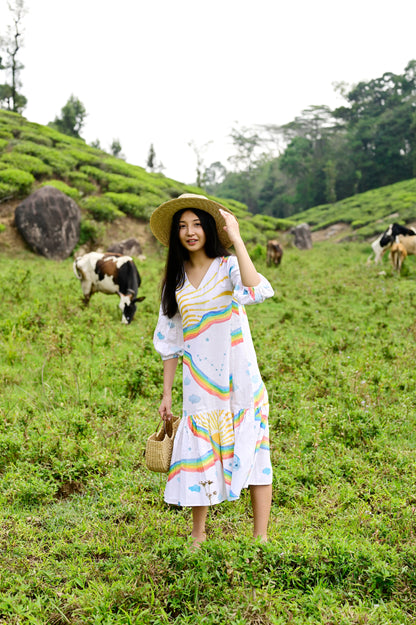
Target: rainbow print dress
point(222, 443)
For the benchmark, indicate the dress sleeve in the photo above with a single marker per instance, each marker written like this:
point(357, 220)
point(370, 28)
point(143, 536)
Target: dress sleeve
point(247, 294)
point(168, 336)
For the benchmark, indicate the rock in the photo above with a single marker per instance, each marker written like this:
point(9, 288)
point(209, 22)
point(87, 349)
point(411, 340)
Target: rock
point(303, 236)
point(49, 221)
point(130, 247)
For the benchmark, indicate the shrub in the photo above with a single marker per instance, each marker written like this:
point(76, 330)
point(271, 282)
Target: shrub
point(28, 163)
point(91, 232)
point(7, 190)
point(2, 227)
point(19, 182)
point(102, 208)
point(36, 137)
point(139, 206)
point(123, 184)
point(118, 166)
point(81, 182)
point(3, 144)
point(5, 134)
point(96, 174)
point(61, 186)
point(83, 157)
point(258, 253)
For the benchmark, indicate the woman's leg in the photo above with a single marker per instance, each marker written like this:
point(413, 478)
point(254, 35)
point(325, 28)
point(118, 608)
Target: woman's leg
point(261, 501)
point(199, 515)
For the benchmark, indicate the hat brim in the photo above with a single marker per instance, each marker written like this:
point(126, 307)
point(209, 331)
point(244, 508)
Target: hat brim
point(161, 218)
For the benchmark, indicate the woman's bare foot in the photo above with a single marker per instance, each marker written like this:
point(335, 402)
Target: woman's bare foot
point(197, 540)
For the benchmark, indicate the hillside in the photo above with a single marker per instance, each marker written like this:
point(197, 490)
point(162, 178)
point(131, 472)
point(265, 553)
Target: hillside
point(116, 198)
point(366, 214)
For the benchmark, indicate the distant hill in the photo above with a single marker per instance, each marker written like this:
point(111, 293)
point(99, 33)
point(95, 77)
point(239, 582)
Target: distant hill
point(367, 213)
point(106, 188)
point(110, 191)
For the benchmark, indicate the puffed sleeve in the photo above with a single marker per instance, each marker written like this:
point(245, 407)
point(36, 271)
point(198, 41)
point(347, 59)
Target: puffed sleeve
point(245, 294)
point(168, 336)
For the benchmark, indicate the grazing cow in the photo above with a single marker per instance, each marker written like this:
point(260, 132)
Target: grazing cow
point(385, 240)
point(274, 252)
point(110, 273)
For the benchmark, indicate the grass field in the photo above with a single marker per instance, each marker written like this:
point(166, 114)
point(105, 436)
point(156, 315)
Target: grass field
point(84, 534)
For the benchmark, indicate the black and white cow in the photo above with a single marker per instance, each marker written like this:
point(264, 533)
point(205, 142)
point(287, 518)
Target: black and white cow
point(385, 240)
point(110, 273)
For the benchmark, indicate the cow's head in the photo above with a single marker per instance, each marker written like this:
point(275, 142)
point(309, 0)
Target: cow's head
point(128, 306)
point(387, 236)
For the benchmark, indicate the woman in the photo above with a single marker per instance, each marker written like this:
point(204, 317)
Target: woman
point(222, 443)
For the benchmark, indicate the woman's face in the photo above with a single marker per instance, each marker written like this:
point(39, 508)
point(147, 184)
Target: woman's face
point(191, 233)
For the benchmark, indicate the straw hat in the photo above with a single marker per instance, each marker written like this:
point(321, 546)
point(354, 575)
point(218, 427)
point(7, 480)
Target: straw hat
point(161, 218)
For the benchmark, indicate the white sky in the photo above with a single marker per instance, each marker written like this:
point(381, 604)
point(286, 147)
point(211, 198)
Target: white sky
point(169, 72)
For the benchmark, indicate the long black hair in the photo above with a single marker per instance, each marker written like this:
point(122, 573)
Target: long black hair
point(174, 277)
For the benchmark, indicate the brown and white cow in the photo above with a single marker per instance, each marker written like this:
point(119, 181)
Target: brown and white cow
point(110, 273)
point(274, 252)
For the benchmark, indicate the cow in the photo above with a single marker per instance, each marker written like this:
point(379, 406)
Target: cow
point(398, 253)
point(274, 252)
point(403, 246)
point(110, 273)
point(385, 240)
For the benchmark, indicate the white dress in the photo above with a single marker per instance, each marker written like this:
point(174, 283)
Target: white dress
point(222, 443)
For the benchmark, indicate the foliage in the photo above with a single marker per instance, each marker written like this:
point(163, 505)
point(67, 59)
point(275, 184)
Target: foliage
point(61, 186)
point(139, 206)
point(84, 534)
point(102, 208)
point(368, 213)
point(15, 182)
point(10, 45)
point(72, 118)
point(87, 174)
point(26, 162)
point(116, 148)
point(91, 232)
point(80, 180)
point(325, 155)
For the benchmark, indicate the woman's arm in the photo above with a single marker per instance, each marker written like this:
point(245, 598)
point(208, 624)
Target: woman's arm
point(248, 272)
point(169, 369)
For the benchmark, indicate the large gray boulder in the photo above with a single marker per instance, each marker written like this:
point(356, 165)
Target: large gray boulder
point(302, 236)
point(49, 221)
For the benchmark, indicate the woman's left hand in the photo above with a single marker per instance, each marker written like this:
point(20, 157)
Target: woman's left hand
point(231, 226)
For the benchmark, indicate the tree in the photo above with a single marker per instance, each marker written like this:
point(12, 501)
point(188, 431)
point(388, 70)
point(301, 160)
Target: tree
point(116, 148)
point(72, 118)
point(151, 158)
point(246, 143)
point(11, 44)
point(214, 175)
point(379, 119)
point(199, 151)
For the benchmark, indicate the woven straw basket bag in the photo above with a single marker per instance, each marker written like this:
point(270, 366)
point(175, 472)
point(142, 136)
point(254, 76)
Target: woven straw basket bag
point(159, 446)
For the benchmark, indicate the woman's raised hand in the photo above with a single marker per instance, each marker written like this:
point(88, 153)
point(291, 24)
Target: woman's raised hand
point(231, 226)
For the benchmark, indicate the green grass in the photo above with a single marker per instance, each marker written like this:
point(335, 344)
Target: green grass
point(85, 536)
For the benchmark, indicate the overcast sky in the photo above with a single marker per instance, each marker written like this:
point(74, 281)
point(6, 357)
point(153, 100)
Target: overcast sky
point(171, 72)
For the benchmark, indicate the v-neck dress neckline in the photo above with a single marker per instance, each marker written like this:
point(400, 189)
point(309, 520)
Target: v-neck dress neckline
point(204, 277)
